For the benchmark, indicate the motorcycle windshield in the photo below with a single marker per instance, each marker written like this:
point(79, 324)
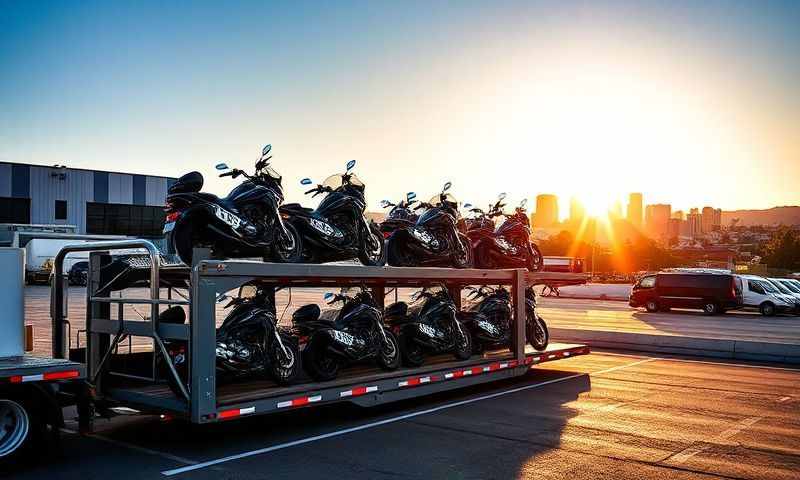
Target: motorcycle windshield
point(447, 197)
point(346, 183)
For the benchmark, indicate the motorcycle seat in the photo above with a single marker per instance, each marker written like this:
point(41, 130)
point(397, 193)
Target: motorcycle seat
point(295, 208)
point(306, 314)
point(397, 309)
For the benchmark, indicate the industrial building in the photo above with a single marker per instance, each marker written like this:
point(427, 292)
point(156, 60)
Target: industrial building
point(91, 202)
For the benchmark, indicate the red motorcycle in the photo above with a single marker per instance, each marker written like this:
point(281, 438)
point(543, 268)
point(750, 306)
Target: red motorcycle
point(507, 246)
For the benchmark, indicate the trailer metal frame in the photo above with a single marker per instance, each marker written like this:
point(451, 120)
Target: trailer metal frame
point(210, 278)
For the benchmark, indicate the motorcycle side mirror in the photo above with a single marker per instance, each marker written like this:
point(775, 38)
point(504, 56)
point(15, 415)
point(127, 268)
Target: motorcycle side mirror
point(446, 187)
point(266, 150)
point(221, 166)
point(501, 197)
point(523, 203)
point(222, 297)
point(467, 206)
point(306, 181)
point(328, 296)
point(385, 203)
point(350, 165)
point(410, 196)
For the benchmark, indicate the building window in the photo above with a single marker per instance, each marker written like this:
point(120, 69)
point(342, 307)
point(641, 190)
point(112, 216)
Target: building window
point(61, 209)
point(15, 210)
point(123, 219)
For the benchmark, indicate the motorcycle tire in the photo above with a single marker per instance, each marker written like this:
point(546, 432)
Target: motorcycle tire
point(288, 255)
point(184, 238)
point(284, 369)
point(411, 352)
point(397, 253)
point(467, 260)
point(389, 355)
point(318, 363)
point(535, 262)
point(373, 258)
point(463, 347)
point(537, 333)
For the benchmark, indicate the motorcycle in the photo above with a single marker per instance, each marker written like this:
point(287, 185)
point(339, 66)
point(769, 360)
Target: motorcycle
point(245, 223)
point(508, 246)
point(429, 326)
point(356, 333)
point(400, 215)
point(249, 343)
point(489, 319)
point(337, 229)
point(435, 240)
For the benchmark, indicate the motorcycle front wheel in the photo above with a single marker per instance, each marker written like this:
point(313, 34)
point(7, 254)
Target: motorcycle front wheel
point(284, 366)
point(288, 250)
point(389, 355)
point(536, 331)
point(411, 352)
point(535, 261)
point(318, 362)
point(464, 258)
point(373, 250)
point(463, 347)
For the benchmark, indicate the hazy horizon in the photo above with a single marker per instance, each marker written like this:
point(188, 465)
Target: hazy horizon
point(691, 104)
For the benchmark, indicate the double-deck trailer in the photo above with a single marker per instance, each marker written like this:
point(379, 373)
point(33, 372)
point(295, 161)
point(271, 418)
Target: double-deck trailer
point(118, 375)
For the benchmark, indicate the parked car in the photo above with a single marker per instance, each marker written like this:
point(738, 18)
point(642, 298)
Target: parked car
point(760, 294)
point(787, 293)
point(711, 292)
point(790, 283)
point(79, 273)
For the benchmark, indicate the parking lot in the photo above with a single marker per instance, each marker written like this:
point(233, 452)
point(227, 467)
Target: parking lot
point(606, 415)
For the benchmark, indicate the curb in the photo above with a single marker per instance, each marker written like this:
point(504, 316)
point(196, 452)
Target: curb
point(580, 297)
point(702, 347)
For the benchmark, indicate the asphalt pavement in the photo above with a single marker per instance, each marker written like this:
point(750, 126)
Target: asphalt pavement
point(605, 415)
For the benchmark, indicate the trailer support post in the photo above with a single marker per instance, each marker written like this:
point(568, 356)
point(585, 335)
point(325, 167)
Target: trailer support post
point(518, 293)
point(202, 386)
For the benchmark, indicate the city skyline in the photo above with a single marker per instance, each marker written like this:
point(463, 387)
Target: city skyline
point(677, 100)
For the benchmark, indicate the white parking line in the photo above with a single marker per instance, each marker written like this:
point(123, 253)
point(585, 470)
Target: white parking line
point(686, 360)
point(386, 421)
point(683, 456)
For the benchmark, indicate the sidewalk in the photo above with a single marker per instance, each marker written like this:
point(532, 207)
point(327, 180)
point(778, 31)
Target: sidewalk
point(596, 291)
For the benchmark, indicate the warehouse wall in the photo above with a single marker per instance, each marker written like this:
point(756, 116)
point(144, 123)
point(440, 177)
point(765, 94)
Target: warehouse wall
point(44, 185)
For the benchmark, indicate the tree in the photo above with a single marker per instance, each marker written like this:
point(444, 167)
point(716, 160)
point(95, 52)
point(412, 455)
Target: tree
point(783, 250)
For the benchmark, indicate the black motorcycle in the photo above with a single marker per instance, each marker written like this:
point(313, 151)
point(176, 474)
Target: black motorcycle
point(435, 240)
point(508, 246)
point(355, 333)
point(243, 224)
point(337, 229)
point(400, 216)
point(429, 326)
point(249, 342)
point(490, 319)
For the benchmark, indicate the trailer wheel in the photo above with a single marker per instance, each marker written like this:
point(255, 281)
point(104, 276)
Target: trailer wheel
point(21, 427)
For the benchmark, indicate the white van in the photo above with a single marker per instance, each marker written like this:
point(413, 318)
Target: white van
point(759, 293)
point(787, 292)
point(40, 254)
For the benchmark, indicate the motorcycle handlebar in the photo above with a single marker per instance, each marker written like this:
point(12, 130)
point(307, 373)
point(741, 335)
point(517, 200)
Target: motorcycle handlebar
point(228, 174)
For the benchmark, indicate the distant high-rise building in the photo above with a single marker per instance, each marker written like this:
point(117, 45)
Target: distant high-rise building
point(695, 223)
point(635, 209)
point(717, 224)
point(674, 228)
point(707, 224)
point(546, 211)
point(678, 214)
point(577, 212)
point(657, 220)
point(615, 212)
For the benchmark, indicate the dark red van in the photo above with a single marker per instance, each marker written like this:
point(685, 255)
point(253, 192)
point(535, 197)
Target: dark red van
point(710, 292)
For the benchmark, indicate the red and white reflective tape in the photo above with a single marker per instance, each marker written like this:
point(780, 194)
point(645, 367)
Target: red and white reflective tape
point(358, 391)
point(236, 412)
point(413, 382)
point(298, 402)
point(45, 376)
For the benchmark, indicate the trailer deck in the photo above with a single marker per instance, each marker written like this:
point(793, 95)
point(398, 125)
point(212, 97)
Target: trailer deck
point(28, 368)
point(201, 399)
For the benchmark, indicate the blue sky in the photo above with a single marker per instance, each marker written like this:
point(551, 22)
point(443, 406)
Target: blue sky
point(683, 101)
